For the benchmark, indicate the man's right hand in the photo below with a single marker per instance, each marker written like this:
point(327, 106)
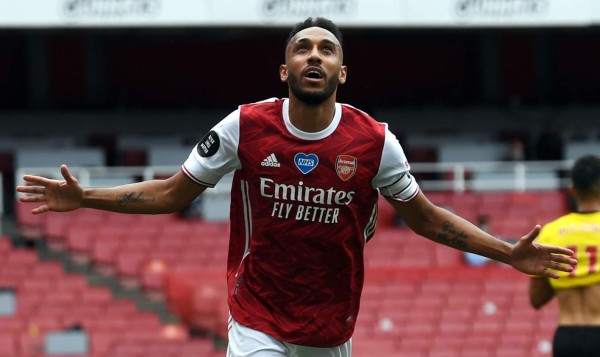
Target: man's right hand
point(55, 195)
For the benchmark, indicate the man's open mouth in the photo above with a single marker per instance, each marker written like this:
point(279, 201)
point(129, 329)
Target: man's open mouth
point(313, 73)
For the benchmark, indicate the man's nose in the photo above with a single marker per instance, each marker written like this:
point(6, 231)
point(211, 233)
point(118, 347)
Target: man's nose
point(315, 55)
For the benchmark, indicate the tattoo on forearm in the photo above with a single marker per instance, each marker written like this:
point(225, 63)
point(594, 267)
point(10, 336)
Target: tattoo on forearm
point(453, 237)
point(133, 197)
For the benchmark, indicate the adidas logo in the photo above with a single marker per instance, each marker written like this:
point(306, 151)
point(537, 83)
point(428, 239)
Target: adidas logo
point(270, 161)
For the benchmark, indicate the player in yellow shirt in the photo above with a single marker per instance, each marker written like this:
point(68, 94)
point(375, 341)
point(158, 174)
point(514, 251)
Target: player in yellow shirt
point(578, 292)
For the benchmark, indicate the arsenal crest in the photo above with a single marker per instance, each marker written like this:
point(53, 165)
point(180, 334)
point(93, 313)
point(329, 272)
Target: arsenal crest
point(345, 166)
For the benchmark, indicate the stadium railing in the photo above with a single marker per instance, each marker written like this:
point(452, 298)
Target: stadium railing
point(492, 175)
point(456, 177)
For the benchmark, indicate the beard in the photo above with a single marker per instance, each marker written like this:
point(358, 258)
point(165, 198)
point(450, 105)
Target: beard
point(312, 98)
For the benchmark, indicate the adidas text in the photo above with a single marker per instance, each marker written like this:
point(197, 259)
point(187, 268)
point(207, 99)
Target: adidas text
point(270, 161)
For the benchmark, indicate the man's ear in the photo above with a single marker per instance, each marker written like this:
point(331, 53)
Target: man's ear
point(283, 73)
point(572, 191)
point(343, 74)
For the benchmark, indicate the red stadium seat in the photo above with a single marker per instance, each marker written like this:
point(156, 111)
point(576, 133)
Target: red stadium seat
point(104, 255)
point(465, 201)
point(159, 220)
point(417, 344)
point(49, 270)
point(486, 326)
point(55, 227)
point(366, 348)
point(96, 296)
point(457, 313)
point(31, 344)
point(441, 198)
point(30, 224)
point(102, 342)
point(60, 297)
point(21, 257)
point(494, 200)
point(520, 326)
point(10, 325)
point(445, 352)
point(519, 339)
point(153, 277)
point(128, 267)
point(508, 351)
point(28, 303)
point(446, 256)
point(477, 352)
point(8, 345)
point(79, 244)
point(5, 244)
point(480, 339)
point(454, 328)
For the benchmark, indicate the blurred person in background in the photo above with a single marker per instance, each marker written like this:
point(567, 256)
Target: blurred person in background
point(549, 145)
point(578, 292)
point(472, 259)
point(476, 260)
point(308, 172)
point(515, 151)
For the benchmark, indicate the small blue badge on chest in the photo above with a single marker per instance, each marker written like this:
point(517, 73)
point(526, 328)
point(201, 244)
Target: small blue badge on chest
point(306, 163)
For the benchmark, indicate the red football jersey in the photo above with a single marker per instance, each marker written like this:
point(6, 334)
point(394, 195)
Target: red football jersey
point(303, 206)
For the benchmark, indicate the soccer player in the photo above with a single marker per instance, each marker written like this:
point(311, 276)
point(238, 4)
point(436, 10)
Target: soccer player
point(578, 292)
point(308, 172)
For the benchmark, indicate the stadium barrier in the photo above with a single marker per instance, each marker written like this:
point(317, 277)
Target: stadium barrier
point(439, 176)
point(456, 177)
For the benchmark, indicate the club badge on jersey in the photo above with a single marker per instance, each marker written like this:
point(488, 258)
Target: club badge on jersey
point(345, 166)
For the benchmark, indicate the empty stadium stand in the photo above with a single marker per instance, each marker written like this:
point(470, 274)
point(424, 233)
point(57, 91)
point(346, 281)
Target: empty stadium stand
point(50, 300)
point(450, 311)
point(420, 298)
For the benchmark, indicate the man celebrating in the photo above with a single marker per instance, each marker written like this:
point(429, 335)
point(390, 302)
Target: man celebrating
point(308, 172)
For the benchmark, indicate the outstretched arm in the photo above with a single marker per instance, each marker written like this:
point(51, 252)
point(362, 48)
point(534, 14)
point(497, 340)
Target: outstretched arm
point(444, 227)
point(151, 197)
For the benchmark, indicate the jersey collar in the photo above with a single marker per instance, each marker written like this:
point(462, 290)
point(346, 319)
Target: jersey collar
point(306, 135)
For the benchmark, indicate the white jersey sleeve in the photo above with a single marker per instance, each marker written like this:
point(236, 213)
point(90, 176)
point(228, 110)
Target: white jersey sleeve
point(216, 154)
point(393, 178)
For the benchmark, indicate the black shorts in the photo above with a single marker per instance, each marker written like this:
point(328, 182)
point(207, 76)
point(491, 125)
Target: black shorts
point(580, 341)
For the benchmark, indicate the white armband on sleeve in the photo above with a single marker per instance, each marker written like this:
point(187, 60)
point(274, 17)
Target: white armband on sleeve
point(403, 189)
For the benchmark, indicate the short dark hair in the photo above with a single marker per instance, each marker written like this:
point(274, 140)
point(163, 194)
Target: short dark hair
point(315, 22)
point(585, 174)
